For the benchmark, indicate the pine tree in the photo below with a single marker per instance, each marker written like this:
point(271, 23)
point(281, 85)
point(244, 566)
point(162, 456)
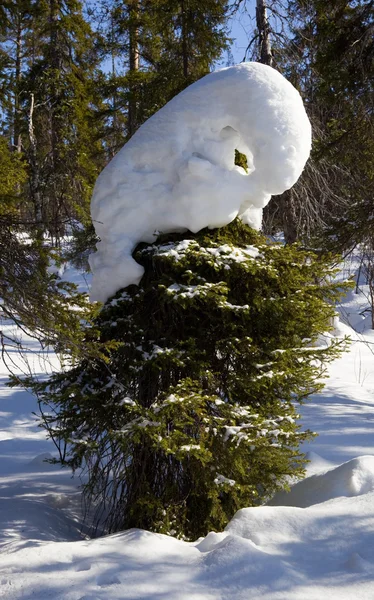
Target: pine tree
point(17, 21)
point(157, 48)
point(192, 413)
point(51, 115)
point(12, 176)
point(30, 178)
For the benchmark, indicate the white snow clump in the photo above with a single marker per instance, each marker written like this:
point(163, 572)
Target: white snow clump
point(177, 172)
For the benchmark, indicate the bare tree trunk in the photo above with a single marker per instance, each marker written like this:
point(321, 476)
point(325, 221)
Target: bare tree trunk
point(55, 63)
point(34, 171)
point(54, 209)
point(262, 22)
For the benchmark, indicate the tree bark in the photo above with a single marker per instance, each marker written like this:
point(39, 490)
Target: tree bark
point(184, 39)
point(17, 139)
point(262, 22)
point(289, 216)
point(115, 136)
point(55, 65)
point(133, 65)
point(34, 172)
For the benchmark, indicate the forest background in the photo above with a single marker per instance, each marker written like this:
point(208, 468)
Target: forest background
point(78, 78)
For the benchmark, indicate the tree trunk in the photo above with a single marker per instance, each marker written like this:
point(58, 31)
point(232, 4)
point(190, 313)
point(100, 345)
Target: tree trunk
point(17, 139)
point(262, 22)
point(184, 39)
point(289, 216)
point(34, 180)
point(115, 136)
point(55, 65)
point(287, 202)
point(133, 65)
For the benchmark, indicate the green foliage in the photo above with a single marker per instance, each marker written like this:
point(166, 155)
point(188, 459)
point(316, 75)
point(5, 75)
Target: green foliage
point(191, 413)
point(12, 176)
point(344, 63)
point(49, 108)
point(49, 310)
point(241, 160)
point(176, 43)
point(81, 245)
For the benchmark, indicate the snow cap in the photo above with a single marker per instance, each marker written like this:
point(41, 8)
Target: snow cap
point(177, 172)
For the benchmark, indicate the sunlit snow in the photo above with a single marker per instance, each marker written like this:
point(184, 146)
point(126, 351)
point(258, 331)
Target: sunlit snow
point(178, 173)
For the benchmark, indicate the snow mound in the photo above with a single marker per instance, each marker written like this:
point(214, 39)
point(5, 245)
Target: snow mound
point(177, 172)
point(272, 553)
point(42, 461)
point(317, 464)
point(353, 478)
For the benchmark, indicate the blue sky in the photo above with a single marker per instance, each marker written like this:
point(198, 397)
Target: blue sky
point(242, 26)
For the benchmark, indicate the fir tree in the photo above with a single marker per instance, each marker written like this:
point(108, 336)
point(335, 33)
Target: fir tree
point(191, 413)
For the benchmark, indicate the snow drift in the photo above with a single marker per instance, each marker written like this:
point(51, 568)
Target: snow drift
point(353, 478)
point(178, 173)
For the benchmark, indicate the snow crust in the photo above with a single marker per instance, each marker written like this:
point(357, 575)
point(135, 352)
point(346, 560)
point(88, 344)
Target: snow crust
point(177, 172)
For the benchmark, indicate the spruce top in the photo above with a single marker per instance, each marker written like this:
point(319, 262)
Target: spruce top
point(179, 170)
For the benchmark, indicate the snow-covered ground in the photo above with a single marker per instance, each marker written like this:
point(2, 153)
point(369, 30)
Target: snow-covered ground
point(314, 543)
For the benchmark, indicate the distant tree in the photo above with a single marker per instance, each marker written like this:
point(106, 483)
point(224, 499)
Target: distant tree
point(17, 19)
point(43, 185)
point(192, 413)
point(156, 48)
point(30, 295)
point(326, 50)
point(61, 83)
point(331, 59)
point(49, 69)
point(341, 56)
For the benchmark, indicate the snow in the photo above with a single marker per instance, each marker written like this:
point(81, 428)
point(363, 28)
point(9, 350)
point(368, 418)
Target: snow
point(221, 479)
point(315, 542)
point(38, 502)
point(177, 172)
point(353, 478)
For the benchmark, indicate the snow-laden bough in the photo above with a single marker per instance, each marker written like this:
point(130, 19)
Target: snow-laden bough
point(178, 172)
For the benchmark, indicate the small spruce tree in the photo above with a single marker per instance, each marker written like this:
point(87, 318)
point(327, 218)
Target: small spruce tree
point(191, 413)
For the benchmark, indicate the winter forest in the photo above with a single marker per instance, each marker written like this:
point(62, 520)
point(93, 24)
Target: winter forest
point(187, 299)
